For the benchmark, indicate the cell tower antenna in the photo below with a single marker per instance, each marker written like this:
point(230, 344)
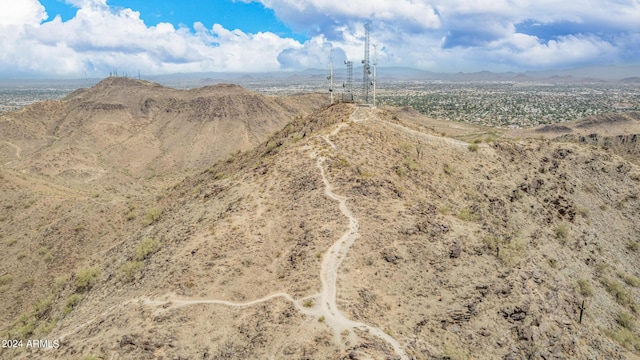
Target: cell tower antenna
point(348, 86)
point(366, 67)
point(331, 76)
point(375, 66)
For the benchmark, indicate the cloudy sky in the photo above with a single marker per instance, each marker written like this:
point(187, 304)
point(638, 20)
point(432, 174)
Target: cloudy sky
point(71, 38)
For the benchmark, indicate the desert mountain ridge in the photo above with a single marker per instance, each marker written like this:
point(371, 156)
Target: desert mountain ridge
point(348, 232)
point(139, 128)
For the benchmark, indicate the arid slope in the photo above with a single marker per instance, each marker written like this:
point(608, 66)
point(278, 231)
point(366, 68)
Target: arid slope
point(458, 251)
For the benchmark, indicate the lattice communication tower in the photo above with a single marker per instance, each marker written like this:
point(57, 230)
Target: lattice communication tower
point(348, 85)
point(366, 67)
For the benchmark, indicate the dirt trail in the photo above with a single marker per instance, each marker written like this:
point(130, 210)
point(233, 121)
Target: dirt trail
point(325, 303)
point(18, 151)
point(329, 273)
point(416, 134)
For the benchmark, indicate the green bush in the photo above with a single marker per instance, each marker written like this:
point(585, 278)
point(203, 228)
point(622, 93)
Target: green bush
point(129, 270)
point(145, 248)
point(85, 278)
point(152, 215)
point(473, 147)
point(467, 214)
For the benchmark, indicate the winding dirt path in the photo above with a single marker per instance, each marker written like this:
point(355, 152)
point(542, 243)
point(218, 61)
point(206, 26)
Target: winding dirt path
point(325, 303)
point(18, 151)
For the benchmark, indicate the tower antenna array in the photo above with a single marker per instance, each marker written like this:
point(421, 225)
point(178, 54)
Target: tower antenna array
point(375, 65)
point(348, 86)
point(331, 77)
point(366, 68)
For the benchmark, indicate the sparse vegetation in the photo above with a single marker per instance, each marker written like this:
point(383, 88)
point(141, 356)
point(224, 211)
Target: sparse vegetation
point(561, 232)
point(453, 352)
point(128, 271)
point(71, 303)
point(308, 303)
point(584, 212)
point(633, 246)
point(618, 291)
point(5, 280)
point(468, 214)
point(152, 215)
point(473, 147)
point(626, 338)
point(25, 326)
point(631, 280)
point(626, 320)
point(146, 248)
point(584, 287)
point(85, 278)
point(12, 241)
point(447, 169)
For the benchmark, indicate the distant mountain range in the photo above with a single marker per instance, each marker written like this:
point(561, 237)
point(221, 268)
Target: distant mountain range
point(315, 77)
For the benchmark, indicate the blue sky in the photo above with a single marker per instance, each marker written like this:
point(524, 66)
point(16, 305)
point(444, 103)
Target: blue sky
point(250, 17)
point(71, 38)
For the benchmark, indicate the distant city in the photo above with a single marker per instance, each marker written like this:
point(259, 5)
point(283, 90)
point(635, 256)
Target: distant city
point(493, 103)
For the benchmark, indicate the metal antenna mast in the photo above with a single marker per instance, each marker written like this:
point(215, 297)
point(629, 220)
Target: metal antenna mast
point(366, 68)
point(331, 77)
point(349, 84)
point(375, 65)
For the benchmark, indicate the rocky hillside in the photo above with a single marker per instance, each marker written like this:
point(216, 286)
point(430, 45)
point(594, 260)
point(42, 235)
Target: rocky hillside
point(350, 233)
point(142, 129)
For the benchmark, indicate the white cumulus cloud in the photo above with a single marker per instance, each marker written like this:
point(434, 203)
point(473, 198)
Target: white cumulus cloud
point(21, 12)
point(99, 39)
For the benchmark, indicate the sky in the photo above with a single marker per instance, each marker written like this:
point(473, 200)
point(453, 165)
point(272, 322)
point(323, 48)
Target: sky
point(92, 38)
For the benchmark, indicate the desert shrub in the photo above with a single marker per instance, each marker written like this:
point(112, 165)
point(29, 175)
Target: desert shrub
point(129, 270)
point(308, 303)
point(473, 147)
point(447, 169)
point(5, 280)
point(43, 306)
point(467, 214)
point(626, 320)
point(152, 215)
point(146, 247)
point(633, 246)
point(85, 278)
point(618, 291)
point(584, 212)
point(47, 327)
point(25, 326)
point(12, 241)
point(626, 337)
point(561, 232)
point(405, 146)
point(630, 280)
point(71, 303)
point(584, 287)
point(453, 352)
